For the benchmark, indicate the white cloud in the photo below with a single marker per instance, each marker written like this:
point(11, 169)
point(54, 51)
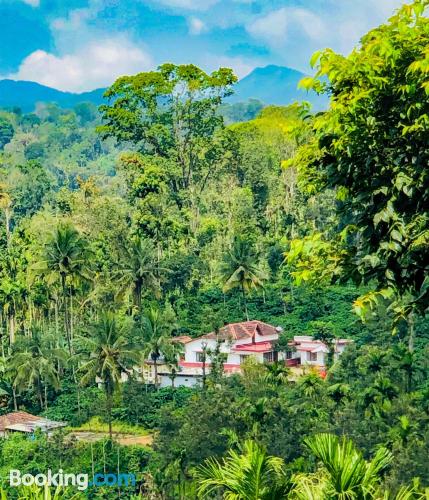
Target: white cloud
point(275, 27)
point(76, 19)
point(240, 66)
point(196, 26)
point(33, 3)
point(92, 66)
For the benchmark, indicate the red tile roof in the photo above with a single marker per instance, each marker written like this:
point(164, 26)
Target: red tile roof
point(17, 417)
point(183, 339)
point(256, 347)
point(244, 330)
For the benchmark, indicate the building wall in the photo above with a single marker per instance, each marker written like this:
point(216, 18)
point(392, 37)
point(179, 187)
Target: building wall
point(179, 381)
point(192, 348)
point(304, 357)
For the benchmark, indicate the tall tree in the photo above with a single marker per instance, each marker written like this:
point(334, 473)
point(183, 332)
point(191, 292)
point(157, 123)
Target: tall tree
point(172, 114)
point(35, 364)
point(111, 355)
point(139, 270)
point(65, 256)
point(157, 327)
point(240, 269)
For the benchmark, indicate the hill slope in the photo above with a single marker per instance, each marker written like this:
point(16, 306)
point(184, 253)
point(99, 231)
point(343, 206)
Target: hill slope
point(271, 85)
point(26, 94)
point(276, 85)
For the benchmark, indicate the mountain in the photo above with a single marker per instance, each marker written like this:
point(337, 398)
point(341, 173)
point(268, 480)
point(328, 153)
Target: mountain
point(276, 85)
point(25, 95)
point(271, 85)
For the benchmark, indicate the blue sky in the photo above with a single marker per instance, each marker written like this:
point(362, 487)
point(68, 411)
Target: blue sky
point(79, 45)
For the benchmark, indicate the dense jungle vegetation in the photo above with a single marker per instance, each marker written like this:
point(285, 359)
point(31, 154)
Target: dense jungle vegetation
point(168, 212)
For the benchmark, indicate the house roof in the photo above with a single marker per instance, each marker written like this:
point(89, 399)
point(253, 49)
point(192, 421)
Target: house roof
point(17, 417)
point(25, 422)
point(182, 339)
point(243, 330)
point(256, 347)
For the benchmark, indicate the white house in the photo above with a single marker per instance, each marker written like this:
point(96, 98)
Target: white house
point(238, 341)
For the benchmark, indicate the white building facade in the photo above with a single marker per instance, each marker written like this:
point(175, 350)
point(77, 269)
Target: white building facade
point(238, 341)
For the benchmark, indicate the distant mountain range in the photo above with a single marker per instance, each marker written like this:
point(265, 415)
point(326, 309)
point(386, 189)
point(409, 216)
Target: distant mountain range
point(271, 85)
point(276, 85)
point(26, 95)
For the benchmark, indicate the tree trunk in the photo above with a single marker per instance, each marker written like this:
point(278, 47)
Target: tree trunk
point(155, 368)
point(245, 302)
point(11, 328)
point(411, 332)
point(15, 404)
point(109, 414)
point(66, 312)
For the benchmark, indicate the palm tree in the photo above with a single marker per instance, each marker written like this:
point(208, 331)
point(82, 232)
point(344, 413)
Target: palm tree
point(157, 327)
point(35, 364)
point(277, 374)
point(249, 474)
point(171, 357)
point(110, 356)
point(240, 269)
point(66, 256)
point(139, 270)
point(345, 474)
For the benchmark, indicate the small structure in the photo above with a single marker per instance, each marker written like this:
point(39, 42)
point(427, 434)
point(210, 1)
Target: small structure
point(21, 421)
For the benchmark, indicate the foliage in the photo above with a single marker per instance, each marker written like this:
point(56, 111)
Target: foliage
point(371, 148)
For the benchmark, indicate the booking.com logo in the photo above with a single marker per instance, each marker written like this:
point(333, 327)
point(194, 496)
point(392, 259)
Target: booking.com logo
point(80, 481)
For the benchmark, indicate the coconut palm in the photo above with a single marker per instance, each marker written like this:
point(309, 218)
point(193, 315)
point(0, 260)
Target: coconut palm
point(65, 256)
point(246, 474)
point(344, 474)
point(157, 327)
point(111, 356)
point(139, 269)
point(35, 365)
point(240, 269)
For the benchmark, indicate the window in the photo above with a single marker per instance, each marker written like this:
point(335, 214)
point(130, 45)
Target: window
point(200, 357)
point(243, 358)
point(289, 354)
point(312, 356)
point(270, 357)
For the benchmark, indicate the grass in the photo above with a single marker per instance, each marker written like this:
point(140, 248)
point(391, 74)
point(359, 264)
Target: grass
point(95, 424)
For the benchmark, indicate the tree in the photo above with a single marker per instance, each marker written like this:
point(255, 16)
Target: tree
point(65, 256)
point(111, 355)
point(139, 270)
point(35, 364)
point(240, 269)
point(172, 114)
point(371, 147)
point(157, 327)
point(345, 473)
point(6, 131)
point(247, 474)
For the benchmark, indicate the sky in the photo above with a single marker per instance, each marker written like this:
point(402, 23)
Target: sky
point(79, 45)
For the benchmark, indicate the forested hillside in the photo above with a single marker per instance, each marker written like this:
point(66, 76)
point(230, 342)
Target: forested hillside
point(154, 216)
